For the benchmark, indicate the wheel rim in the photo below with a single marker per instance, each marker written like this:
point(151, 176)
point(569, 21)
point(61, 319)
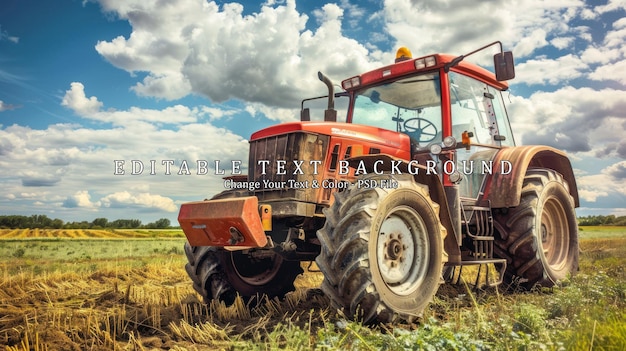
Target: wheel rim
point(554, 233)
point(256, 271)
point(402, 250)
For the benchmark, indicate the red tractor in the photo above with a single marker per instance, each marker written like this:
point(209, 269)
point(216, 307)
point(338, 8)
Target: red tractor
point(422, 176)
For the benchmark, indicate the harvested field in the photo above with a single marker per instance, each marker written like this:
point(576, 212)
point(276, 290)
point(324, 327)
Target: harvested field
point(133, 294)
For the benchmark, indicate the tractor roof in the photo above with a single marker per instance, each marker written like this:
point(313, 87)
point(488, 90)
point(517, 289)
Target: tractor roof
point(422, 64)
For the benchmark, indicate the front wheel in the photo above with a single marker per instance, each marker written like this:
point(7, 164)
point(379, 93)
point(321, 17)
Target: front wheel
point(539, 237)
point(382, 250)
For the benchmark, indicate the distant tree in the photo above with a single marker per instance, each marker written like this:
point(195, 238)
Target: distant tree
point(125, 223)
point(100, 222)
point(162, 223)
point(134, 223)
point(30, 222)
point(621, 220)
point(57, 223)
point(602, 220)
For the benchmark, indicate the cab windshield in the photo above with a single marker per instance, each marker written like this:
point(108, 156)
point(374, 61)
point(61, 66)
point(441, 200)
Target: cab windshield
point(410, 105)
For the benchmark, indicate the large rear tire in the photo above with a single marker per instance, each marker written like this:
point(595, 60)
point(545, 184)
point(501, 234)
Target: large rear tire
point(382, 250)
point(539, 238)
point(221, 274)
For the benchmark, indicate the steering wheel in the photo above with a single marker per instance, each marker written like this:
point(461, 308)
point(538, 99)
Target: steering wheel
point(420, 129)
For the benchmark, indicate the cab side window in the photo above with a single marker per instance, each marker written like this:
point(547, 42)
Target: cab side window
point(478, 108)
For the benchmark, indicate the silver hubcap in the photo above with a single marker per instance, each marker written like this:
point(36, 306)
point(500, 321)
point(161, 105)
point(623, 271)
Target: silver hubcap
point(402, 250)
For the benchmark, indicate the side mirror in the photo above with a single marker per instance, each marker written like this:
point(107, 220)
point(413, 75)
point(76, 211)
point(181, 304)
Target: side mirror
point(503, 64)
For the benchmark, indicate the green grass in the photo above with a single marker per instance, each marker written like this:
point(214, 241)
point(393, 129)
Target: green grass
point(597, 232)
point(55, 254)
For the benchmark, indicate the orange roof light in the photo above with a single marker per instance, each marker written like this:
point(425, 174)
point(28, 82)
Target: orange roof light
point(403, 54)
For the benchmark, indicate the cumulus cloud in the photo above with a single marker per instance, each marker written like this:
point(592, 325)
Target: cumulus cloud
point(617, 171)
point(576, 120)
point(550, 71)
point(48, 164)
point(435, 26)
point(125, 199)
point(610, 56)
point(76, 100)
point(81, 199)
point(610, 182)
point(268, 57)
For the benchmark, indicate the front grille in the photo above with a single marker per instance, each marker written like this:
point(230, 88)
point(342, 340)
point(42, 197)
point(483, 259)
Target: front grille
point(296, 146)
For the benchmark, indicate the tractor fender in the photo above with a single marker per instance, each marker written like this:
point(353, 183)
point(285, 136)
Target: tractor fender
point(383, 163)
point(503, 187)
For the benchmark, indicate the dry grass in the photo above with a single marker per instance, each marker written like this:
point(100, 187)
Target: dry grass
point(147, 303)
point(89, 233)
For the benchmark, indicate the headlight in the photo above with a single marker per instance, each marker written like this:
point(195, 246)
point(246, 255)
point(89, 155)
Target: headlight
point(435, 149)
point(449, 141)
point(455, 177)
point(351, 83)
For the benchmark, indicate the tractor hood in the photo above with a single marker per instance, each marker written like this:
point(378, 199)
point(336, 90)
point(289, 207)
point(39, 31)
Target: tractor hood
point(357, 132)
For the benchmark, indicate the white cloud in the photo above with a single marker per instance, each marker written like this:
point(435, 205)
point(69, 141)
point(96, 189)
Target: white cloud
point(50, 164)
point(611, 56)
point(550, 71)
point(276, 114)
point(91, 108)
point(215, 51)
point(453, 26)
point(125, 199)
point(562, 42)
point(269, 57)
point(611, 5)
point(531, 42)
point(76, 100)
point(617, 171)
point(611, 72)
point(80, 199)
point(594, 187)
point(577, 120)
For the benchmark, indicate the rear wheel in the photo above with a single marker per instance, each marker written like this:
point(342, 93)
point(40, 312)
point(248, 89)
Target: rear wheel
point(539, 238)
point(221, 274)
point(382, 250)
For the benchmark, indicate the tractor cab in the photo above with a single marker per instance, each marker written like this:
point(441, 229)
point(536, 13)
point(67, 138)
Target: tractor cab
point(439, 101)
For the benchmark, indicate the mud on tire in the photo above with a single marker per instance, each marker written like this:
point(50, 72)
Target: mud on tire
point(382, 250)
point(539, 238)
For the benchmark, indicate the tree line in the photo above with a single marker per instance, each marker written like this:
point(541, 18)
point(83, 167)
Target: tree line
point(43, 221)
point(602, 220)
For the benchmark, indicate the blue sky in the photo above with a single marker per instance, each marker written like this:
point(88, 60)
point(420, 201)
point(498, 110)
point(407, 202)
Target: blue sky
point(84, 83)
